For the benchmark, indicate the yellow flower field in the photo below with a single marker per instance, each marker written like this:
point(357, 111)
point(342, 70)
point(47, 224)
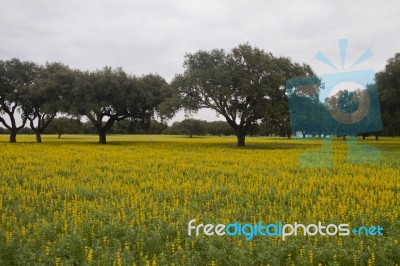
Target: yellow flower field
point(75, 202)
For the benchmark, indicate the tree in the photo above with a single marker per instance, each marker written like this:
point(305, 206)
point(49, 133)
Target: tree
point(388, 82)
point(277, 116)
point(278, 120)
point(372, 124)
point(16, 77)
point(355, 112)
point(218, 128)
point(240, 85)
point(48, 96)
point(89, 128)
point(190, 127)
point(307, 116)
point(4, 131)
point(131, 126)
point(110, 95)
point(156, 127)
point(64, 125)
point(101, 97)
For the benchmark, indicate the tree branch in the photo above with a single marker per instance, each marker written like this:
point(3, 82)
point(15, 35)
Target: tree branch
point(4, 123)
point(45, 125)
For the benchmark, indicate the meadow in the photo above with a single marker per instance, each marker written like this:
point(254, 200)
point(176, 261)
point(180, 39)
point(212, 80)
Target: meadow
point(71, 201)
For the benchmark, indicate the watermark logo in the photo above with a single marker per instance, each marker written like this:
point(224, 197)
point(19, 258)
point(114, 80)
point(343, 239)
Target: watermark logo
point(344, 103)
point(280, 230)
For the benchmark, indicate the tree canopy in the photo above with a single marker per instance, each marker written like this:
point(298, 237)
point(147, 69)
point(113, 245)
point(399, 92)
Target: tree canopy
point(388, 82)
point(243, 85)
point(48, 96)
point(16, 78)
point(110, 95)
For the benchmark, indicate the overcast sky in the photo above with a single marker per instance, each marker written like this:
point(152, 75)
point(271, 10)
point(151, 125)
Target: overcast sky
point(154, 35)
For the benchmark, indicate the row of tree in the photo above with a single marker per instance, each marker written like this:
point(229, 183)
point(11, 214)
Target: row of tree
point(247, 86)
point(345, 113)
point(189, 127)
point(38, 93)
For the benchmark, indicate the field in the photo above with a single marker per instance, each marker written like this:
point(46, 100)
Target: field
point(75, 202)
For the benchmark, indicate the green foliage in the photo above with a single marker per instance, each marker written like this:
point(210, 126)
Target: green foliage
point(189, 127)
point(243, 86)
point(133, 126)
point(219, 128)
point(193, 127)
point(16, 77)
point(64, 125)
point(49, 95)
point(388, 82)
point(110, 95)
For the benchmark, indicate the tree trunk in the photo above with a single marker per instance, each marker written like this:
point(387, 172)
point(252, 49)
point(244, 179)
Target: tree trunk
point(59, 135)
point(241, 140)
point(102, 137)
point(304, 135)
point(13, 136)
point(38, 138)
point(376, 137)
point(363, 136)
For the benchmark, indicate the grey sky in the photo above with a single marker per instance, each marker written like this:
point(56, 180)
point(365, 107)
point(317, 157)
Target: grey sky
point(153, 36)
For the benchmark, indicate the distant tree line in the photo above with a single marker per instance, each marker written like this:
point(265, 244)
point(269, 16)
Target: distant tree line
point(246, 86)
point(189, 127)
